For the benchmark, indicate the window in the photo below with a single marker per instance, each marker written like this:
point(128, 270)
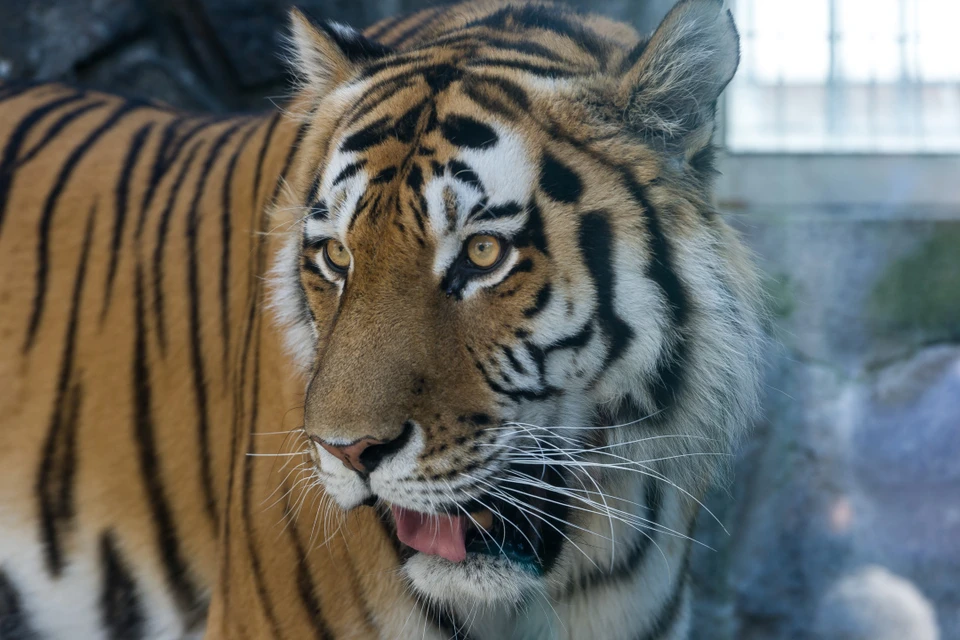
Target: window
point(842, 76)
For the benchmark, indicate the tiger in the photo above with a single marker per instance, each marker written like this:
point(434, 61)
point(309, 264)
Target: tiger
point(452, 345)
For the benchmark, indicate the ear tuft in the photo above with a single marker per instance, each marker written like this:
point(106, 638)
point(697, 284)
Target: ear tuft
point(670, 88)
point(326, 53)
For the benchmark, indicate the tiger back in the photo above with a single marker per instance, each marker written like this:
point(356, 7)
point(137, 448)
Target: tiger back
point(452, 347)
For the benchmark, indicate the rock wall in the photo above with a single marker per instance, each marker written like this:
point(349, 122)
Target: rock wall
point(210, 55)
point(844, 518)
point(843, 521)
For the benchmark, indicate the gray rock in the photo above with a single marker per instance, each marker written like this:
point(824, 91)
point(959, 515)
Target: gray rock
point(874, 604)
point(855, 462)
point(46, 39)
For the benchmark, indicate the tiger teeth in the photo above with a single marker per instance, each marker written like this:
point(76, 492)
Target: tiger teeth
point(483, 519)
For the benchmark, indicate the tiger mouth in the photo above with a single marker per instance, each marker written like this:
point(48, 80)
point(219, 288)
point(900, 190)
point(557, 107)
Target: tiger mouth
point(527, 531)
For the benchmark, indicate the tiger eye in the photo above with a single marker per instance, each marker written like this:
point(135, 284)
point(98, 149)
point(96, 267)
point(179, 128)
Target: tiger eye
point(483, 251)
point(336, 255)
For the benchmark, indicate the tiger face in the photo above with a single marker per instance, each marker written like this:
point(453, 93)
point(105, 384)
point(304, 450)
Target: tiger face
point(510, 295)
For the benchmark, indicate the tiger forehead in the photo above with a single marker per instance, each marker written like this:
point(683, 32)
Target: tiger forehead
point(435, 157)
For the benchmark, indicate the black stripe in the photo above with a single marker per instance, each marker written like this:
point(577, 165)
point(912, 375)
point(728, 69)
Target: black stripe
point(306, 588)
point(120, 608)
point(415, 177)
point(56, 128)
point(439, 77)
point(261, 157)
point(319, 211)
point(462, 172)
point(522, 46)
point(369, 202)
point(394, 62)
point(253, 553)
point(422, 19)
point(559, 181)
point(14, 621)
point(496, 212)
point(49, 208)
point(240, 394)
point(162, 231)
point(670, 612)
point(383, 26)
point(121, 194)
point(252, 341)
point(226, 230)
point(313, 188)
point(191, 234)
point(516, 364)
point(516, 93)
point(553, 19)
point(523, 266)
point(371, 135)
point(353, 44)
point(10, 159)
point(596, 246)
point(168, 150)
point(464, 131)
point(527, 47)
point(541, 301)
point(55, 480)
point(185, 593)
point(660, 269)
point(375, 95)
point(634, 56)
point(405, 127)
point(626, 567)
point(516, 394)
point(519, 65)
point(385, 176)
point(669, 376)
point(533, 234)
point(348, 172)
point(419, 206)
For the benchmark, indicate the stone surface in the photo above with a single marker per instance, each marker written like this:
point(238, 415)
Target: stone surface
point(47, 39)
point(874, 604)
point(213, 55)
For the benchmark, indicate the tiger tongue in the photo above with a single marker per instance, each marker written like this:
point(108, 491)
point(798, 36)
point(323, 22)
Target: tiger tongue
point(436, 535)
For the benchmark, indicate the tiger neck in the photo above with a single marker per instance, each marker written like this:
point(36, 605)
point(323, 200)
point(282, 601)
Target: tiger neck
point(261, 370)
point(250, 384)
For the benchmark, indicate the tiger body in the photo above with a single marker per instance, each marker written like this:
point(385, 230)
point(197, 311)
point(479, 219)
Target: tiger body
point(168, 294)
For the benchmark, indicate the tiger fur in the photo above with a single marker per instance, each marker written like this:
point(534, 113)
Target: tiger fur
point(209, 426)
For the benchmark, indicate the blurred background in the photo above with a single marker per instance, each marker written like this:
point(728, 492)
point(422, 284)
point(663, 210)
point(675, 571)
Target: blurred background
point(842, 170)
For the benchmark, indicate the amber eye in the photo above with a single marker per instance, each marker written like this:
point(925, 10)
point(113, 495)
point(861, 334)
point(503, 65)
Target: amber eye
point(336, 255)
point(484, 251)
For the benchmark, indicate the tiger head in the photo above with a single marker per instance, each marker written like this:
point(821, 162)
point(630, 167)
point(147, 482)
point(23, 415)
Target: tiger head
point(508, 289)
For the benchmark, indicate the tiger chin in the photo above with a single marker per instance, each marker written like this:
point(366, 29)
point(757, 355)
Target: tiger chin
point(529, 339)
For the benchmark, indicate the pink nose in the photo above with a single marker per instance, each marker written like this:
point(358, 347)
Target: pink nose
point(350, 455)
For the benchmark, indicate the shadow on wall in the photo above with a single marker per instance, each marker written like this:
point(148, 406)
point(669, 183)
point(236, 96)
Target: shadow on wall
point(208, 55)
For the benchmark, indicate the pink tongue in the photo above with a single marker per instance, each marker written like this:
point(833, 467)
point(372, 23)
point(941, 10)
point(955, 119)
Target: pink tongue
point(436, 535)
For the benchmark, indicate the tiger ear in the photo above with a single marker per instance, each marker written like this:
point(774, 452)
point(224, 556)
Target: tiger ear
point(326, 53)
point(672, 81)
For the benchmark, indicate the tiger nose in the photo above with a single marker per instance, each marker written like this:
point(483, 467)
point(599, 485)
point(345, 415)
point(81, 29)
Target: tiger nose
point(361, 456)
point(365, 454)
